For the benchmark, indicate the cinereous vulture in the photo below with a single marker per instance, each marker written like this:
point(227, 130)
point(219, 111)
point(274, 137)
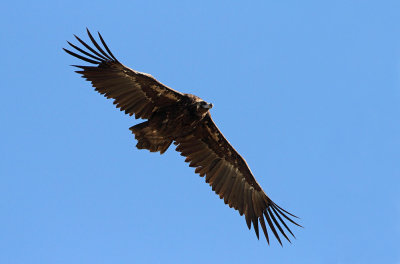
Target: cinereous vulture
point(185, 120)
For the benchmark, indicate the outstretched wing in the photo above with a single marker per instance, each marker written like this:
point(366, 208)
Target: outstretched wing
point(133, 92)
point(230, 177)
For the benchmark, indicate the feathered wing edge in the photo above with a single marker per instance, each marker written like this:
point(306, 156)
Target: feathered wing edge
point(270, 212)
point(98, 56)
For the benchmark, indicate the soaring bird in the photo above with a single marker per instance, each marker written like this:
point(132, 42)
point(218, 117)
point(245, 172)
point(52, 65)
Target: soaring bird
point(185, 120)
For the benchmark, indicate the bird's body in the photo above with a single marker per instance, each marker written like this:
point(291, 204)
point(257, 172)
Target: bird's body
point(185, 120)
point(170, 123)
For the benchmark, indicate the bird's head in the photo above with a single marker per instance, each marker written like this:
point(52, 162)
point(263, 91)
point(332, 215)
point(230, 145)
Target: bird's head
point(203, 107)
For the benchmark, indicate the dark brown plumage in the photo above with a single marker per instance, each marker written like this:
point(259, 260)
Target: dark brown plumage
point(182, 119)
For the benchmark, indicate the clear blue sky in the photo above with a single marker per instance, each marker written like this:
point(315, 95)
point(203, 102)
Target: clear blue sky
point(307, 91)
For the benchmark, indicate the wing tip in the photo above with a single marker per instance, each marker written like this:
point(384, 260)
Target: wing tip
point(97, 53)
point(274, 216)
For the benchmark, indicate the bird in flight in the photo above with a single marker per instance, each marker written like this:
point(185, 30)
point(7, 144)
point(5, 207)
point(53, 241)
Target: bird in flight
point(185, 120)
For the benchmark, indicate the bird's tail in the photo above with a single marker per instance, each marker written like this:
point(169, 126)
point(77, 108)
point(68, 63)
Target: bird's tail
point(149, 138)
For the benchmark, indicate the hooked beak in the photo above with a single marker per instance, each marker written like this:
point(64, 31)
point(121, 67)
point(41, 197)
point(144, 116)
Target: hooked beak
point(207, 106)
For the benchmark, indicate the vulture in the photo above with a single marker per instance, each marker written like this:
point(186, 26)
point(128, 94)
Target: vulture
point(185, 120)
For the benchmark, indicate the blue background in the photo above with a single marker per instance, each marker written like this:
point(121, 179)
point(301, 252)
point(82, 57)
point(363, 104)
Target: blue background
point(307, 91)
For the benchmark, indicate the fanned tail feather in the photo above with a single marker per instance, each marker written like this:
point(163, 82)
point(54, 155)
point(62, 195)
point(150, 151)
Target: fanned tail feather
point(149, 138)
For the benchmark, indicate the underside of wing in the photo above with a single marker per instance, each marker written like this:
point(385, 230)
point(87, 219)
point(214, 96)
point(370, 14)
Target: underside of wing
point(133, 92)
point(230, 177)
